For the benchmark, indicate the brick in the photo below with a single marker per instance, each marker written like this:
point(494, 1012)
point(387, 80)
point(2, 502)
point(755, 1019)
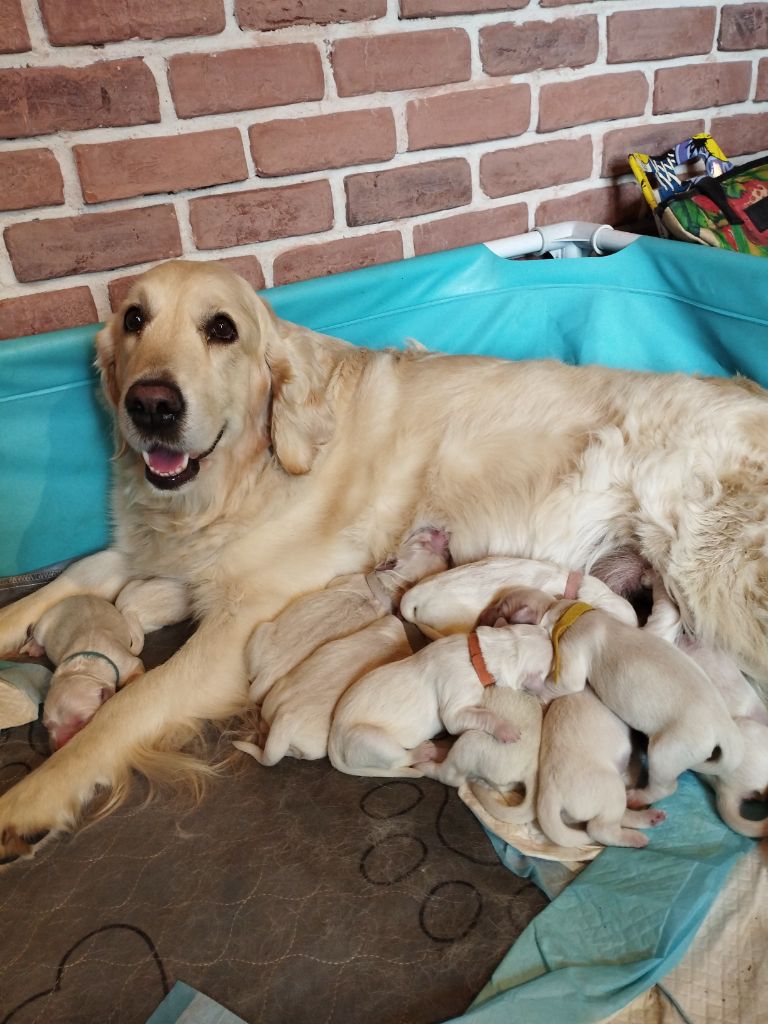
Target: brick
point(28, 178)
point(338, 256)
point(597, 98)
point(650, 139)
point(744, 27)
point(14, 37)
point(698, 86)
point(98, 22)
point(265, 15)
point(266, 76)
point(41, 249)
point(741, 134)
point(36, 101)
point(661, 33)
point(615, 205)
point(407, 191)
point(135, 167)
point(293, 145)
point(403, 60)
point(509, 171)
point(260, 214)
point(437, 8)
point(761, 92)
point(509, 49)
point(470, 228)
point(46, 311)
point(247, 267)
point(472, 115)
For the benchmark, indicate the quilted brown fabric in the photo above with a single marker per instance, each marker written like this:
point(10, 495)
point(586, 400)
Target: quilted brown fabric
point(291, 894)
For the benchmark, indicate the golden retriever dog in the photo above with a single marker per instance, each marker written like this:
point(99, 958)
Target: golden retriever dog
point(257, 460)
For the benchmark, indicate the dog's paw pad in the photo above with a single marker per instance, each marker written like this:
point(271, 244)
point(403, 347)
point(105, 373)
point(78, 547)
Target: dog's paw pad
point(507, 734)
point(656, 817)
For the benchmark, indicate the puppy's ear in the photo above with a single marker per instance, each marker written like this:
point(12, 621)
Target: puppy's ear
point(106, 362)
point(303, 419)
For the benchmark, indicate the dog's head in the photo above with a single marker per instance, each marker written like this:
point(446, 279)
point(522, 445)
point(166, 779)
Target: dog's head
point(196, 364)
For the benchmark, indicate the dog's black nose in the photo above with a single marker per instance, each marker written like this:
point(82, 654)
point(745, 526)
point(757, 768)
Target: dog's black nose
point(155, 406)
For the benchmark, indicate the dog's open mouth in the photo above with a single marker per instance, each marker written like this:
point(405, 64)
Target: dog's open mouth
point(167, 469)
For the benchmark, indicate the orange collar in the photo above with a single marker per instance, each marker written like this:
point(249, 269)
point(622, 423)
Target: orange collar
point(566, 620)
point(478, 661)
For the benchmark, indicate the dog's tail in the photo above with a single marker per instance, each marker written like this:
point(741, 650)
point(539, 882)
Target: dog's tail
point(495, 803)
point(549, 811)
point(729, 807)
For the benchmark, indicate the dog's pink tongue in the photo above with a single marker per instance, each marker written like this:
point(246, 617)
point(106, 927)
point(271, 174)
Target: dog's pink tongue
point(164, 461)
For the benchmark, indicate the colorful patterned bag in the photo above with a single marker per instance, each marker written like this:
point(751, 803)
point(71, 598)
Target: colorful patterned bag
point(727, 207)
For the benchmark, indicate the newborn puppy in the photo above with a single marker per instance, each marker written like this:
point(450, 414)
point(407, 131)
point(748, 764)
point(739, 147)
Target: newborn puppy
point(648, 683)
point(454, 602)
point(346, 605)
point(382, 724)
point(583, 765)
point(749, 780)
point(495, 771)
point(95, 648)
point(295, 718)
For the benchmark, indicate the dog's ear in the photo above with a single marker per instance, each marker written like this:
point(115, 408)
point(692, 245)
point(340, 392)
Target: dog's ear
point(303, 418)
point(106, 362)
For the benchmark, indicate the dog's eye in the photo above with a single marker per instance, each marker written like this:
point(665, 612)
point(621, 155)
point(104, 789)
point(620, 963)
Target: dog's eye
point(220, 328)
point(134, 319)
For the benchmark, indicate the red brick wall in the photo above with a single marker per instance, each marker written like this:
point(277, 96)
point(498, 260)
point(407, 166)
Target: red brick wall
point(301, 137)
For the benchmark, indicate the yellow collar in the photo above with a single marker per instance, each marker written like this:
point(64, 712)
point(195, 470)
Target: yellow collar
point(566, 620)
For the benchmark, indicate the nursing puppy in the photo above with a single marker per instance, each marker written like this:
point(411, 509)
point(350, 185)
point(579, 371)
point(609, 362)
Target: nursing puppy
point(648, 683)
point(95, 648)
point(382, 724)
point(749, 780)
point(295, 718)
point(348, 604)
point(583, 766)
point(457, 600)
point(496, 772)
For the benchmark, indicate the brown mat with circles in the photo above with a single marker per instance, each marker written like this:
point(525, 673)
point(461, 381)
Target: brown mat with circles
point(291, 894)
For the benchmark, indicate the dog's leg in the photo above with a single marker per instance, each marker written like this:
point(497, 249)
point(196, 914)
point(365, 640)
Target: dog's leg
point(103, 574)
point(206, 679)
point(461, 719)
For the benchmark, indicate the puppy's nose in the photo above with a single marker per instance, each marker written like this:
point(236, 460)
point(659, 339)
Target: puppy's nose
point(155, 406)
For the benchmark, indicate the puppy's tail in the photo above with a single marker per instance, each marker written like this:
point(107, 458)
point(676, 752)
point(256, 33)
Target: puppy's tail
point(729, 808)
point(549, 812)
point(495, 803)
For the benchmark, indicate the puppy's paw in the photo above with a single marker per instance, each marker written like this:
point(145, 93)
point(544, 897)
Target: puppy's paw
point(426, 753)
point(637, 800)
point(655, 817)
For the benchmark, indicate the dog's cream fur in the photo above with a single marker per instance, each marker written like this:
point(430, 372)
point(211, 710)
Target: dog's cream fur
point(647, 682)
point(85, 631)
point(383, 725)
point(347, 604)
point(453, 602)
point(502, 776)
point(749, 779)
point(583, 771)
point(295, 718)
point(330, 454)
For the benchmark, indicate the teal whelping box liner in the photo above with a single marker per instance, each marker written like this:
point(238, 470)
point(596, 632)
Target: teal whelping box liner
point(185, 1005)
point(654, 305)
